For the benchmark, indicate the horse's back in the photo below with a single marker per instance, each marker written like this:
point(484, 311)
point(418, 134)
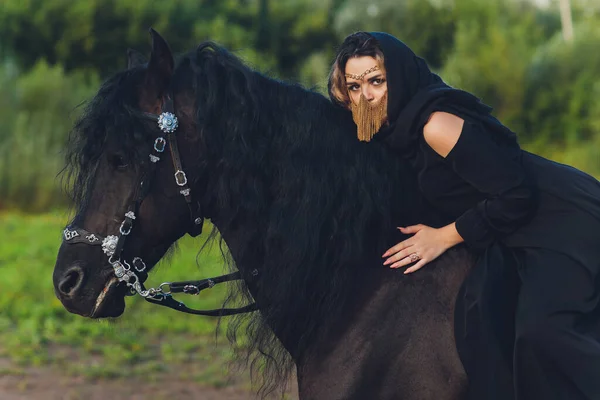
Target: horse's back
point(397, 339)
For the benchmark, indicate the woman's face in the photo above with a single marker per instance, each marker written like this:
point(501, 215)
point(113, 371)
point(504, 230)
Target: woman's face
point(365, 76)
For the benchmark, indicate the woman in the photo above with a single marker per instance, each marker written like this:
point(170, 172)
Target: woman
point(518, 211)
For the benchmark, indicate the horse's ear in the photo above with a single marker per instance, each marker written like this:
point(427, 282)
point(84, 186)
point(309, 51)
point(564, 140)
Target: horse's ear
point(161, 65)
point(135, 59)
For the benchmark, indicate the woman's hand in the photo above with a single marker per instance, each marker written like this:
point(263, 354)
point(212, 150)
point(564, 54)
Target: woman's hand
point(424, 246)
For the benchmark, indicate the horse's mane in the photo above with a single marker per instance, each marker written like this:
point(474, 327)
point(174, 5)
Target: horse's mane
point(315, 202)
point(105, 118)
point(310, 205)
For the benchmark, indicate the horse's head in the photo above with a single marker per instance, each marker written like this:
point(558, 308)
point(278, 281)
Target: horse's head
point(133, 198)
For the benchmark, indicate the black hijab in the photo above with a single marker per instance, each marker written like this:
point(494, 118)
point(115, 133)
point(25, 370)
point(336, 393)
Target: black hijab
point(414, 92)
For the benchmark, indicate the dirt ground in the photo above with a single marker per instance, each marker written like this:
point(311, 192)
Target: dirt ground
point(49, 384)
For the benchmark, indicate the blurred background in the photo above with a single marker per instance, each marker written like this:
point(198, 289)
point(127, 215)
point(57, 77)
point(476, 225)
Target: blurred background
point(537, 62)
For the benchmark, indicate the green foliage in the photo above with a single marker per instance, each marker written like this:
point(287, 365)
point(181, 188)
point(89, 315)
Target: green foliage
point(492, 51)
point(35, 328)
point(37, 111)
point(427, 26)
point(563, 88)
point(507, 52)
point(95, 34)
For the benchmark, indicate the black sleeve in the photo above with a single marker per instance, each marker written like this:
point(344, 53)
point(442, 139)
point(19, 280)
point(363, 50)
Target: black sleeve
point(511, 197)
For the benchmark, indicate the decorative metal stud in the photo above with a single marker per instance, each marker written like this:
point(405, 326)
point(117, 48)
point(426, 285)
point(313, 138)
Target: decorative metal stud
point(185, 192)
point(198, 221)
point(92, 238)
point(109, 245)
point(154, 158)
point(167, 122)
point(68, 234)
point(191, 289)
point(130, 214)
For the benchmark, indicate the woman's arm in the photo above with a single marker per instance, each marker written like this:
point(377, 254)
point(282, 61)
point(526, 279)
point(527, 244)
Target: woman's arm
point(510, 199)
point(479, 161)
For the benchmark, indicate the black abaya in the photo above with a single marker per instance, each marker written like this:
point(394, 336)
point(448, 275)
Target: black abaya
point(535, 225)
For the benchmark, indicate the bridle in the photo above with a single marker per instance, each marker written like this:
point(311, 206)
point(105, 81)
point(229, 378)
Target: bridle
point(135, 273)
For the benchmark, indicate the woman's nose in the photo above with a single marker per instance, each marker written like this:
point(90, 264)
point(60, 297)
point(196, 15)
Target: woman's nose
point(368, 93)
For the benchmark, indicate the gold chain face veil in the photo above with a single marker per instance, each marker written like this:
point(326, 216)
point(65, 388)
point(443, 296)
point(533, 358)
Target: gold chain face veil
point(369, 117)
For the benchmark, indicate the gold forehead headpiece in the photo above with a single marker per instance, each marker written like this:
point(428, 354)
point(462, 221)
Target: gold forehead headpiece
point(361, 76)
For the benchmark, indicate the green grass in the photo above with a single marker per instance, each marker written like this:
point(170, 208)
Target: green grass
point(147, 340)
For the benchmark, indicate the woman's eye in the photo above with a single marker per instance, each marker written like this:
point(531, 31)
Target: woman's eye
point(378, 81)
point(353, 88)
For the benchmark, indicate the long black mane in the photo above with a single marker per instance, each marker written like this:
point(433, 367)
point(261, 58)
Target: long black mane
point(108, 117)
point(310, 207)
point(316, 204)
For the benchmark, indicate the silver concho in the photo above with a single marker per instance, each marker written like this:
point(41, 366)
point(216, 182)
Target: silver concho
point(70, 234)
point(154, 158)
point(167, 122)
point(109, 245)
point(130, 214)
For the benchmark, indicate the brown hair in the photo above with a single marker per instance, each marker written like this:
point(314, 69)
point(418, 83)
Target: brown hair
point(358, 44)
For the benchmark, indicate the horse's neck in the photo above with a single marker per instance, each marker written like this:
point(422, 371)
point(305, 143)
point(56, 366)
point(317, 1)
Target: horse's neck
point(250, 265)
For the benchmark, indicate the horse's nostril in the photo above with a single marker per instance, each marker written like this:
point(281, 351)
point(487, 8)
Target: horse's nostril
point(71, 281)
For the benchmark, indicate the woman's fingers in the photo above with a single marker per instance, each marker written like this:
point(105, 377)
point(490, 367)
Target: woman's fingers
point(403, 262)
point(408, 256)
point(399, 255)
point(415, 267)
point(406, 243)
point(412, 228)
point(399, 247)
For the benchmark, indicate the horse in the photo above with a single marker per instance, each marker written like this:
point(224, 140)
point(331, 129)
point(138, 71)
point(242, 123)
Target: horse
point(305, 209)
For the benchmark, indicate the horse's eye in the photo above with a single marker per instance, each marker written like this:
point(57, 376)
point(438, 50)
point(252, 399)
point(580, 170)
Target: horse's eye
point(118, 161)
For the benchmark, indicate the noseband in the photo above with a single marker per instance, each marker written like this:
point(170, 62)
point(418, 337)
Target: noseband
point(135, 273)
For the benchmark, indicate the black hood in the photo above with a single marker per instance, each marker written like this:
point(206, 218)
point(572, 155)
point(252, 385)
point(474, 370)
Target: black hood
point(406, 73)
point(414, 92)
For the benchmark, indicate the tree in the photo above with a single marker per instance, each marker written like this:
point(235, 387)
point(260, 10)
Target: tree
point(494, 44)
point(562, 88)
point(426, 26)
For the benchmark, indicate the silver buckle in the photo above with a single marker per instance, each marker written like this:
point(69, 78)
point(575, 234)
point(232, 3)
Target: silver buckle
point(143, 268)
point(159, 144)
point(180, 178)
point(123, 232)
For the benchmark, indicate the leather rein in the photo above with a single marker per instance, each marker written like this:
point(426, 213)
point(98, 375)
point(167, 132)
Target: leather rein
point(134, 273)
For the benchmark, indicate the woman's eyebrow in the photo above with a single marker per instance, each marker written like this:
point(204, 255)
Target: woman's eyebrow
point(378, 76)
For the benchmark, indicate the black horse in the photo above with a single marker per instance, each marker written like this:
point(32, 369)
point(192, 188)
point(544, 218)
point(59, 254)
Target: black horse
point(305, 209)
